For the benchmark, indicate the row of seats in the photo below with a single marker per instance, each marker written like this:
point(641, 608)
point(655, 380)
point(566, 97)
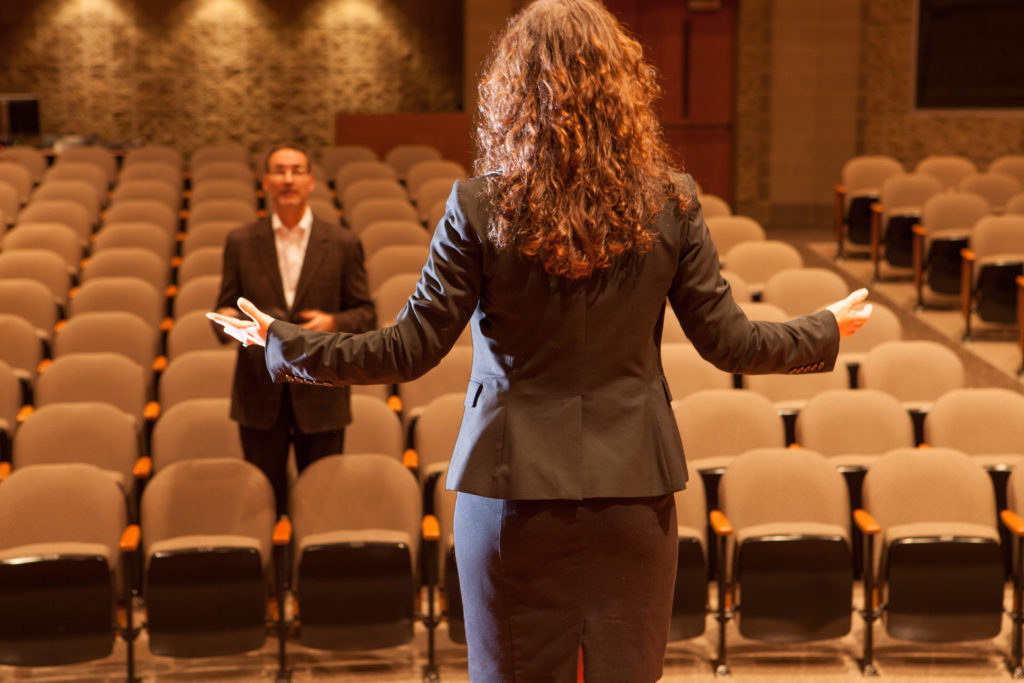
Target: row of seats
point(957, 232)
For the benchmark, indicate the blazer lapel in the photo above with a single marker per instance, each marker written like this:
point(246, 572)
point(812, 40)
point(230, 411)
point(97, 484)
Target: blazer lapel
point(266, 252)
point(315, 250)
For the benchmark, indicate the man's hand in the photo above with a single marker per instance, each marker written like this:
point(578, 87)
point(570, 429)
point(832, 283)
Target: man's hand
point(317, 320)
point(246, 331)
point(849, 313)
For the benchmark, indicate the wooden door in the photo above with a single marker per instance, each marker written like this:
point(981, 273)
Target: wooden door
point(691, 42)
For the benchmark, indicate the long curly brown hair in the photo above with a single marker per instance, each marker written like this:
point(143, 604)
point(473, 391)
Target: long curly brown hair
point(566, 120)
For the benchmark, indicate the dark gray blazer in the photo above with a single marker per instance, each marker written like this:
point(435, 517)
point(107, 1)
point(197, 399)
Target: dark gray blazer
point(567, 397)
point(333, 279)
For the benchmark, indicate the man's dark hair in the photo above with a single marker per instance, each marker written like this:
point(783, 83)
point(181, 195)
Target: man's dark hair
point(286, 145)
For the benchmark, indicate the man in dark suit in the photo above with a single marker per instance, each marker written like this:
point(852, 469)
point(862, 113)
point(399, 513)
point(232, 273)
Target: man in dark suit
point(309, 272)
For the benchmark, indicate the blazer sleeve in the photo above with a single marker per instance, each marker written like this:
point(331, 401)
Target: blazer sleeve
point(720, 330)
point(425, 330)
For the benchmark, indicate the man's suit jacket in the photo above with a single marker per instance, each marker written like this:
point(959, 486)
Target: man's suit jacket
point(332, 279)
point(567, 398)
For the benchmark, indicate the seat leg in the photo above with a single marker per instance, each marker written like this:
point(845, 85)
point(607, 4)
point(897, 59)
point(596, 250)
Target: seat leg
point(721, 666)
point(1017, 616)
point(868, 613)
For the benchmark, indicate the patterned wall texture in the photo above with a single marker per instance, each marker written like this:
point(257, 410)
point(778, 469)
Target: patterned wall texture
point(192, 72)
point(887, 122)
point(877, 117)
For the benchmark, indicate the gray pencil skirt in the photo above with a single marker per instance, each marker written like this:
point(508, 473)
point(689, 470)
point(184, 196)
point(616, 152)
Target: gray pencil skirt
point(541, 579)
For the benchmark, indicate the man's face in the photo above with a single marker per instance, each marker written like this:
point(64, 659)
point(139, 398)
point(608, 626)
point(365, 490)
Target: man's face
point(288, 181)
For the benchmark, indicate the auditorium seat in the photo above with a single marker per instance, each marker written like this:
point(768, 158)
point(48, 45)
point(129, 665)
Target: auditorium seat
point(136, 262)
point(222, 170)
point(60, 560)
point(423, 171)
point(159, 190)
point(235, 210)
point(31, 158)
point(883, 325)
point(949, 169)
point(42, 266)
point(325, 210)
point(17, 176)
point(208, 558)
point(209, 233)
point(66, 211)
point(361, 170)
point(382, 234)
point(147, 210)
point(404, 156)
point(728, 231)
point(197, 374)
point(223, 188)
point(21, 348)
point(213, 153)
point(984, 422)
point(784, 525)
point(334, 157)
point(757, 260)
point(394, 260)
point(105, 377)
point(374, 428)
point(686, 372)
point(947, 220)
point(192, 331)
point(451, 375)
point(357, 525)
point(152, 170)
point(713, 205)
point(90, 433)
point(131, 294)
point(119, 332)
point(392, 295)
point(197, 428)
point(932, 548)
point(32, 301)
point(915, 372)
point(803, 291)
point(200, 261)
point(145, 235)
point(1015, 205)
point(989, 270)
point(860, 186)
point(11, 397)
point(371, 188)
point(76, 190)
point(1010, 164)
point(10, 205)
point(996, 188)
point(93, 154)
point(153, 153)
point(59, 238)
point(432, 435)
point(88, 171)
point(197, 294)
point(430, 192)
point(383, 209)
point(892, 219)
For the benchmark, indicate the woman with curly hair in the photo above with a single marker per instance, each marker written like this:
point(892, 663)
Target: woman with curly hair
point(560, 255)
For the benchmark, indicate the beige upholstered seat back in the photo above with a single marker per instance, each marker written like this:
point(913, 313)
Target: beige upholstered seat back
point(356, 492)
point(59, 504)
point(198, 428)
point(726, 422)
point(105, 377)
point(88, 432)
point(198, 374)
point(854, 421)
point(375, 428)
point(977, 421)
point(209, 497)
point(912, 371)
point(911, 485)
point(791, 485)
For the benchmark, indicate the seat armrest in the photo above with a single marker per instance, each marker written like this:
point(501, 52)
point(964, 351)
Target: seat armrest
point(130, 538)
point(720, 523)
point(143, 468)
point(282, 532)
point(1013, 522)
point(865, 522)
point(411, 459)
